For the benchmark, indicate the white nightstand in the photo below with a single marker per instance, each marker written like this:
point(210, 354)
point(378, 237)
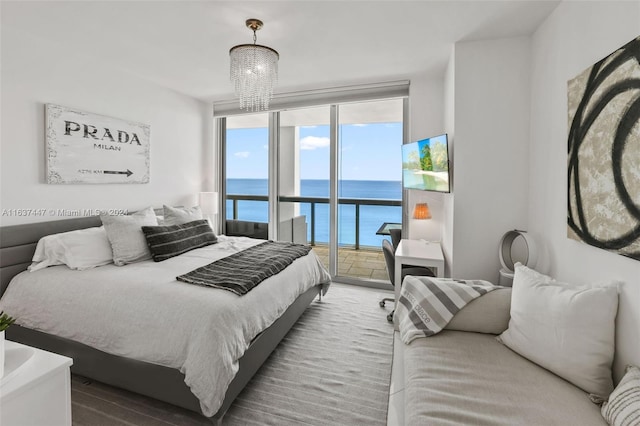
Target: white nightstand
point(417, 253)
point(36, 387)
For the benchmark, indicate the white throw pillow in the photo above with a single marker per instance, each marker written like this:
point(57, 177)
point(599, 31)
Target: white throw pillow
point(180, 215)
point(81, 249)
point(125, 235)
point(567, 329)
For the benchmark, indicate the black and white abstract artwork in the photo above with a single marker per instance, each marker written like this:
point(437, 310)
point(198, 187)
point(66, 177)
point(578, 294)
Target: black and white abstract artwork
point(604, 153)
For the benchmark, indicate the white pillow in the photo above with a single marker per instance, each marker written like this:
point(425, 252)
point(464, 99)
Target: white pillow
point(180, 215)
point(567, 329)
point(125, 235)
point(81, 249)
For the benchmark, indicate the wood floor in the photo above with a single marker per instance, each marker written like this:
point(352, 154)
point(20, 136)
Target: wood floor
point(342, 378)
point(361, 263)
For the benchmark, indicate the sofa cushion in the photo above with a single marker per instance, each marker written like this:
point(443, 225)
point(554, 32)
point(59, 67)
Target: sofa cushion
point(567, 329)
point(461, 378)
point(488, 313)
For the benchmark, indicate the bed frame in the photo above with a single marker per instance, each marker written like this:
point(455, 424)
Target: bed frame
point(17, 245)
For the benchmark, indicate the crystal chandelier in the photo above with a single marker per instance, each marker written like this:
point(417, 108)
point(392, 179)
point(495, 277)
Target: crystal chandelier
point(254, 71)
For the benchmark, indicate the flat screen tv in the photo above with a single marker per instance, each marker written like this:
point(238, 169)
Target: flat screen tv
point(425, 165)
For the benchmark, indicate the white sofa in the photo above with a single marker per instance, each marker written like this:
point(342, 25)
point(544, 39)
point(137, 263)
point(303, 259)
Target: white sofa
point(466, 378)
point(461, 377)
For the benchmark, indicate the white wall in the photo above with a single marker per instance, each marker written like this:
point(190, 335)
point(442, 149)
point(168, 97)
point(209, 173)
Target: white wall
point(449, 125)
point(490, 171)
point(574, 37)
point(35, 72)
point(426, 98)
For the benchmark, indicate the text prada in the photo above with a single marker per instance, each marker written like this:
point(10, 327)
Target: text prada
point(89, 131)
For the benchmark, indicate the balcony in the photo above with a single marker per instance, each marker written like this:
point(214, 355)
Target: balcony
point(355, 258)
point(361, 263)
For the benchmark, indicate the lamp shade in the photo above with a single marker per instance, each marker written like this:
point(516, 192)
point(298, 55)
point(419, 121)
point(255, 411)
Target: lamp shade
point(209, 203)
point(421, 211)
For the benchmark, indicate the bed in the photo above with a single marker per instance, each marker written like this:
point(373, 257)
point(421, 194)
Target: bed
point(105, 317)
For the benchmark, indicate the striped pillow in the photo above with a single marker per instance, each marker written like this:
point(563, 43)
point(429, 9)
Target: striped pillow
point(623, 407)
point(168, 241)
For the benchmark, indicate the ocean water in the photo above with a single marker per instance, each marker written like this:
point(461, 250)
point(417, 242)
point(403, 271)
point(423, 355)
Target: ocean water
point(371, 217)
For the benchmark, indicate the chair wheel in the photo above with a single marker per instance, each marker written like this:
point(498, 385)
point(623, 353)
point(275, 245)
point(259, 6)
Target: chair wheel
point(390, 317)
point(381, 303)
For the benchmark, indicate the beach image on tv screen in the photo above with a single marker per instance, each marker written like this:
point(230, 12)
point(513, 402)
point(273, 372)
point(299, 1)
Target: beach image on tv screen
point(425, 164)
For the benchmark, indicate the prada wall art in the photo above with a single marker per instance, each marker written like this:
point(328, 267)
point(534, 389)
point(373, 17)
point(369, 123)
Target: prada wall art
point(90, 148)
point(604, 153)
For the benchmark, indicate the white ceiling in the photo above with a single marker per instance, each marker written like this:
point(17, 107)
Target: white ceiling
point(184, 45)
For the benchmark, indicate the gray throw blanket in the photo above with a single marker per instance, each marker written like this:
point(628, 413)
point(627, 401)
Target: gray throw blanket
point(244, 270)
point(426, 305)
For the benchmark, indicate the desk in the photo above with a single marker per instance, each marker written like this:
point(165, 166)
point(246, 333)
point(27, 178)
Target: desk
point(417, 253)
point(385, 227)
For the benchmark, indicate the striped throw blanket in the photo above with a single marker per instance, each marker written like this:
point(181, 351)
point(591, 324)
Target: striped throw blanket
point(244, 270)
point(426, 304)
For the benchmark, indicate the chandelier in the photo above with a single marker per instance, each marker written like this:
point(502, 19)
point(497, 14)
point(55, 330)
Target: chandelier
point(254, 71)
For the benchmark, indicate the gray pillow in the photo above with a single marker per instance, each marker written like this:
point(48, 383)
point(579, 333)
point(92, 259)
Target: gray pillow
point(169, 241)
point(125, 235)
point(180, 215)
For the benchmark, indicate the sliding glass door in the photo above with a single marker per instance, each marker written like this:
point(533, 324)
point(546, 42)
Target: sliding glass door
point(329, 176)
point(303, 176)
point(369, 184)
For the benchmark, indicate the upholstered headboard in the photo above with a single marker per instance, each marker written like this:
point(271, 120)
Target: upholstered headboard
point(18, 243)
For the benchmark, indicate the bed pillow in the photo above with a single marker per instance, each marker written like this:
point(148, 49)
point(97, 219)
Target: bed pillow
point(125, 235)
point(623, 407)
point(567, 329)
point(180, 215)
point(81, 249)
point(169, 241)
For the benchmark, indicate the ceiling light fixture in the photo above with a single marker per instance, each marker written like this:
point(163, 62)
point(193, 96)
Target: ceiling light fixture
point(254, 71)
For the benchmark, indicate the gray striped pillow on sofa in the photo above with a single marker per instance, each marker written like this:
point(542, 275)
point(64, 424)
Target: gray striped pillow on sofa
point(623, 407)
point(168, 241)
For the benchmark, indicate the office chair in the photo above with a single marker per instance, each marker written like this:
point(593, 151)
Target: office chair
point(390, 258)
point(396, 236)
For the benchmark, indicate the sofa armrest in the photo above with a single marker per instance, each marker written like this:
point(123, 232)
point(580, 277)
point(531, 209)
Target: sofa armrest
point(488, 313)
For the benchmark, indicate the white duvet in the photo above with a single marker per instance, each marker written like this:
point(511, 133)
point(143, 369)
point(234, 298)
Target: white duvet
point(140, 311)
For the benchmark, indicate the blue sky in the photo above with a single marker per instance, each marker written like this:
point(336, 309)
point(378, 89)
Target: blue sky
point(368, 152)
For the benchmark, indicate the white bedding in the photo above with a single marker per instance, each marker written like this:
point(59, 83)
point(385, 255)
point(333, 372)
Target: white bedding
point(140, 311)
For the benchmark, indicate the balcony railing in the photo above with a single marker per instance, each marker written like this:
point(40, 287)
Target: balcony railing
point(357, 202)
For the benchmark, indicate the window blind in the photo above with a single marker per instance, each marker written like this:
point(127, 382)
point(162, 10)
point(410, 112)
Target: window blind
point(327, 96)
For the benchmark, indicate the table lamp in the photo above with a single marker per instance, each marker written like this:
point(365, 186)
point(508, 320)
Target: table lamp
point(421, 211)
point(209, 204)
